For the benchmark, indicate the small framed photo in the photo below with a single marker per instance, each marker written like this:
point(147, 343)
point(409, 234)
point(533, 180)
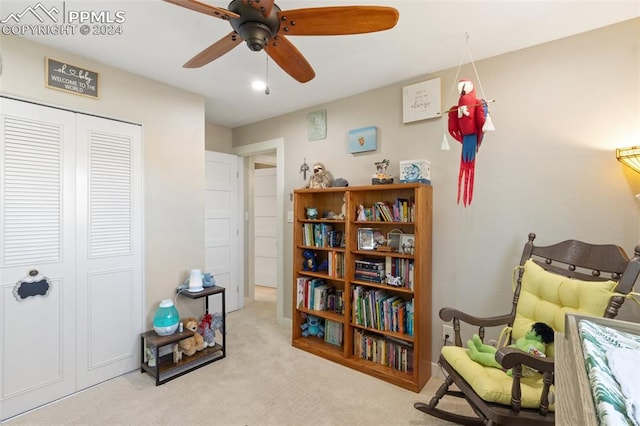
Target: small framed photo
point(369, 238)
point(393, 240)
point(407, 243)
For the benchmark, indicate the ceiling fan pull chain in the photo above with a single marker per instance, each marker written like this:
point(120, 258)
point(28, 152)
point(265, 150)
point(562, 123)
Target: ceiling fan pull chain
point(266, 89)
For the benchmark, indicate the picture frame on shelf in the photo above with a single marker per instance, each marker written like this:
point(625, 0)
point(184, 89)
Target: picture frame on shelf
point(369, 238)
point(407, 243)
point(393, 240)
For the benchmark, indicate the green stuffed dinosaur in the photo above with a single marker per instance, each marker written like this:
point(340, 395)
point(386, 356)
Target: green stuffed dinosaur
point(533, 342)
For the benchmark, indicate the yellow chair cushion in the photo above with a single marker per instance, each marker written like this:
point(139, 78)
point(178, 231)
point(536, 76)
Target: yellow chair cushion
point(544, 297)
point(493, 384)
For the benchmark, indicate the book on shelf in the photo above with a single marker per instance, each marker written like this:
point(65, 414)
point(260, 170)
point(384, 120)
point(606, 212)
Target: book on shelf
point(301, 288)
point(336, 264)
point(333, 332)
point(334, 238)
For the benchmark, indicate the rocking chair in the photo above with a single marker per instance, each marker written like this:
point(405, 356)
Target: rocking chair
point(567, 277)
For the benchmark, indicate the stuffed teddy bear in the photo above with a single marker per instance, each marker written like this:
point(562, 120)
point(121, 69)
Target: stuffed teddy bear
point(313, 327)
point(190, 345)
point(533, 342)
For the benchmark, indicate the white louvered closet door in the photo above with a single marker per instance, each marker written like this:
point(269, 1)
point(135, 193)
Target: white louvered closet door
point(37, 232)
point(65, 212)
point(109, 247)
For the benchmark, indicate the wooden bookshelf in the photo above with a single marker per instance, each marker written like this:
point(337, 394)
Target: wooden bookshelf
point(411, 342)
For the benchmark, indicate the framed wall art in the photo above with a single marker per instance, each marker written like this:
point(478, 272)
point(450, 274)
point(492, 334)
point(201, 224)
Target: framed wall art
point(317, 125)
point(421, 101)
point(364, 139)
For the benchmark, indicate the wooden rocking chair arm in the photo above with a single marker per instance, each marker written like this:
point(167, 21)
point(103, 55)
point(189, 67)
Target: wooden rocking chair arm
point(448, 314)
point(508, 357)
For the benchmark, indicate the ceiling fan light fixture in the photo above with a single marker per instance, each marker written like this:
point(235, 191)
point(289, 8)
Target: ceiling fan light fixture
point(256, 35)
point(258, 85)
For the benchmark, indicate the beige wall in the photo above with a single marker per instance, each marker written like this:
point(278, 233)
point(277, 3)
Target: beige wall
point(561, 110)
point(173, 144)
point(217, 138)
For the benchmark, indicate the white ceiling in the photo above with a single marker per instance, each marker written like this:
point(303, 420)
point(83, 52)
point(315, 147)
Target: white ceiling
point(430, 36)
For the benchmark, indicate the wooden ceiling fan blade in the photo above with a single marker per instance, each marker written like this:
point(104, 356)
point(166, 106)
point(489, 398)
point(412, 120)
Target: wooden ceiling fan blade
point(289, 58)
point(263, 6)
point(214, 51)
point(216, 12)
point(338, 20)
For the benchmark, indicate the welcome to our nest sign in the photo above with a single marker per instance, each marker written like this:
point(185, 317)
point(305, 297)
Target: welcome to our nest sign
point(71, 78)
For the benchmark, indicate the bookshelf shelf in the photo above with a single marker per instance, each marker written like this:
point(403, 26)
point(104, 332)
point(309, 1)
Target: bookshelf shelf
point(395, 319)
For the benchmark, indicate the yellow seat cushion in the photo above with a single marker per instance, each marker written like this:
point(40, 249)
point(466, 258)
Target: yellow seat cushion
point(544, 297)
point(493, 384)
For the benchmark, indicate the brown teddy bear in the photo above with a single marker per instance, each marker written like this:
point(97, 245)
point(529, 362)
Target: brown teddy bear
point(190, 345)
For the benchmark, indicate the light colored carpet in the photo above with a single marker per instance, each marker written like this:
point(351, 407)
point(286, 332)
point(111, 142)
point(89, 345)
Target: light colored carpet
point(262, 381)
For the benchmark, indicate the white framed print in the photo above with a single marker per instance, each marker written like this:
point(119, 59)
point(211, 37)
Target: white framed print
point(407, 243)
point(421, 101)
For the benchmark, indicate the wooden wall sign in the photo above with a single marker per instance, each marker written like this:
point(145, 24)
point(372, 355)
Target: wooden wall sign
point(70, 78)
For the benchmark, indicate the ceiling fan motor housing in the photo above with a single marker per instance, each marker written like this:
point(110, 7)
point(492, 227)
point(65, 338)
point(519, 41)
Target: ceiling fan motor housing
point(253, 26)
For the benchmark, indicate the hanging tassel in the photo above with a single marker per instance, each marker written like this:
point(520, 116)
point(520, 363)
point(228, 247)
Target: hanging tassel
point(445, 144)
point(488, 124)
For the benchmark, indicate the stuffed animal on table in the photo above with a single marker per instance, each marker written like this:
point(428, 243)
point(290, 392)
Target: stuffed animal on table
point(533, 342)
point(465, 125)
point(193, 344)
point(312, 327)
point(321, 177)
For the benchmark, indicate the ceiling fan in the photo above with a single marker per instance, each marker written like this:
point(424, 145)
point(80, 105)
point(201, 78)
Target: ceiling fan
point(263, 25)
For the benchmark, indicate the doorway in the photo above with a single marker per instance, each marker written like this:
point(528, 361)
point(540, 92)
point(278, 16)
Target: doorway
point(265, 267)
point(274, 147)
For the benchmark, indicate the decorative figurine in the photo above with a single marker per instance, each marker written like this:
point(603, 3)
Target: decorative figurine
point(304, 169)
point(466, 121)
point(381, 177)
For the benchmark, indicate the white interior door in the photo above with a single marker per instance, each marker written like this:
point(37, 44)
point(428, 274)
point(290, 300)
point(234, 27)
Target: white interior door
point(109, 247)
point(70, 209)
point(222, 234)
point(265, 226)
point(37, 232)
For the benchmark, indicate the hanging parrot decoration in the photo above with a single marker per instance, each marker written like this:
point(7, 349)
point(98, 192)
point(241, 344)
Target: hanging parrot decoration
point(466, 121)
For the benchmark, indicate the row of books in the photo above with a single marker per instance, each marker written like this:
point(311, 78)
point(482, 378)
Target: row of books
point(372, 270)
point(385, 351)
point(384, 270)
point(402, 210)
point(333, 332)
point(403, 268)
point(316, 294)
point(335, 264)
point(380, 310)
point(320, 235)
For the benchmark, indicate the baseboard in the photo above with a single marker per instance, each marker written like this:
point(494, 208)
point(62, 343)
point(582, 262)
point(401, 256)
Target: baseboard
point(436, 371)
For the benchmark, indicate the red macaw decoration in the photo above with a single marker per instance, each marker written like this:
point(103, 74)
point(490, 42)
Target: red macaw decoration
point(465, 125)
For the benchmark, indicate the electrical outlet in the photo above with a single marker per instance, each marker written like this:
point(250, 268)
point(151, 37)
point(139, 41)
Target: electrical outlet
point(447, 333)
